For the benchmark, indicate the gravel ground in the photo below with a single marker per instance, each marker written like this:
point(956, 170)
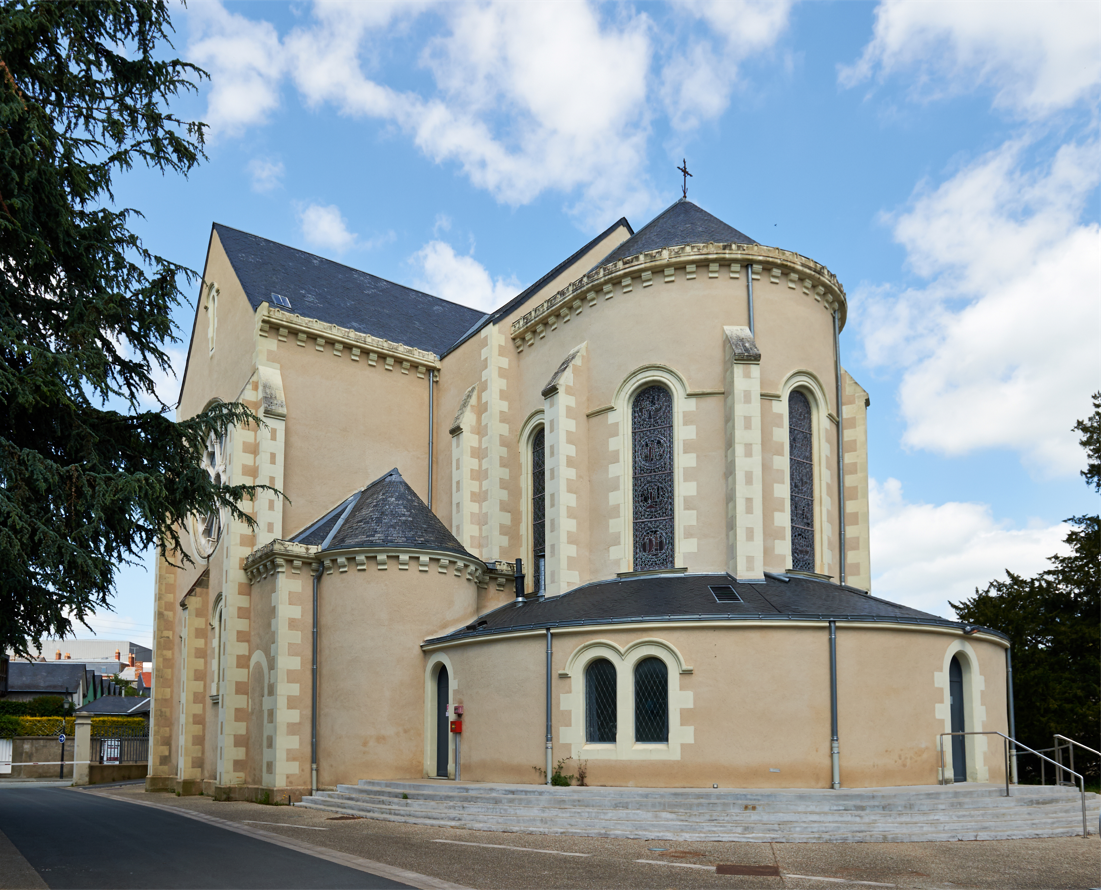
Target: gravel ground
point(464, 857)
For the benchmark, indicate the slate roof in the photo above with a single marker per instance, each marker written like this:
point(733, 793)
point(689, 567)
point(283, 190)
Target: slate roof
point(337, 294)
point(45, 677)
point(387, 513)
point(688, 598)
point(679, 224)
point(118, 705)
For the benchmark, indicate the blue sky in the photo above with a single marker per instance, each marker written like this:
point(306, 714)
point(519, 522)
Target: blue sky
point(941, 159)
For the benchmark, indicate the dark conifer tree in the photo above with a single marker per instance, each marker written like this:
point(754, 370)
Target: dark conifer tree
point(88, 479)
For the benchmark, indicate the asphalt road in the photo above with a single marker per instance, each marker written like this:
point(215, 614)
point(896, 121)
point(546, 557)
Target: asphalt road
point(76, 840)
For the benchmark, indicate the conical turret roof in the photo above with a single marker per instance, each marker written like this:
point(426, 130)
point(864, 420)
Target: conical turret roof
point(387, 513)
point(681, 223)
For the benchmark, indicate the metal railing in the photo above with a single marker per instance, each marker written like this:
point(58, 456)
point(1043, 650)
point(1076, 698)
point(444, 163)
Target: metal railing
point(122, 750)
point(1007, 741)
point(1068, 745)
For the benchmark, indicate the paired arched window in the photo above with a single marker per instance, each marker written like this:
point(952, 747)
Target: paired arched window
point(652, 723)
point(801, 474)
point(600, 702)
point(652, 479)
point(539, 546)
point(652, 711)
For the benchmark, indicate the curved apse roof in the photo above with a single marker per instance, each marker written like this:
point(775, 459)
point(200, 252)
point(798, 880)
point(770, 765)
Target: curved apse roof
point(679, 224)
point(387, 513)
point(690, 598)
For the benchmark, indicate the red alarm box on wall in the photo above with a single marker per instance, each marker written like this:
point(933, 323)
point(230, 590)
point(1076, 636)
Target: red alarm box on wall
point(457, 726)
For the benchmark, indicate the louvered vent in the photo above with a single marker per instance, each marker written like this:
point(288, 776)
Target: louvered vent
point(281, 301)
point(725, 594)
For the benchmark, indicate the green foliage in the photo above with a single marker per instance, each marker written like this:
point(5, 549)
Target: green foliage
point(119, 727)
point(557, 776)
point(1053, 624)
point(9, 726)
point(40, 706)
point(85, 313)
point(46, 726)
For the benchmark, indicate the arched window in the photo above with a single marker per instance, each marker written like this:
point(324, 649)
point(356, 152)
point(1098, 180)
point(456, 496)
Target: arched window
point(539, 547)
point(652, 478)
point(652, 722)
point(600, 702)
point(801, 473)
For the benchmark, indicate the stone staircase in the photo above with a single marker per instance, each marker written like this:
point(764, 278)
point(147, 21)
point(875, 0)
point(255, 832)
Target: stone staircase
point(915, 813)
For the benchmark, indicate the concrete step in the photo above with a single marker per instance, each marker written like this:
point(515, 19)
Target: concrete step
point(975, 812)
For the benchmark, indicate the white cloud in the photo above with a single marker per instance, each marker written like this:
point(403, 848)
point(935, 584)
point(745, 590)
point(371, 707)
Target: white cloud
point(526, 97)
point(926, 555)
point(461, 279)
point(1038, 57)
point(245, 62)
point(266, 174)
point(323, 226)
point(697, 81)
point(1001, 348)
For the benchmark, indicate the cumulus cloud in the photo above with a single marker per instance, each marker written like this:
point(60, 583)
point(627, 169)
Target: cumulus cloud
point(1000, 349)
point(461, 279)
point(324, 226)
point(243, 57)
point(1038, 57)
point(698, 79)
point(926, 555)
point(526, 98)
point(265, 173)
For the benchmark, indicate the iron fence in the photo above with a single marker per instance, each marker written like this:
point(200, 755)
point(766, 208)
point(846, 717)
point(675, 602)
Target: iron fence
point(112, 751)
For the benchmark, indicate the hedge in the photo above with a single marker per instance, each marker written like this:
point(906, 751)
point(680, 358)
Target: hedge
point(102, 727)
point(40, 706)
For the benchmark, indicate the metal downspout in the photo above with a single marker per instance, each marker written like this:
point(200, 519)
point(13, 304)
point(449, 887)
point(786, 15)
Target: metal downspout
point(841, 459)
point(314, 689)
point(750, 294)
point(1010, 714)
point(432, 389)
point(548, 763)
point(835, 772)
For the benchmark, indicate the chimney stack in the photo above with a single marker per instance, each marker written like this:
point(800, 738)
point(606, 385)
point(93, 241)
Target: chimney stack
point(57, 657)
point(68, 657)
point(118, 655)
point(132, 659)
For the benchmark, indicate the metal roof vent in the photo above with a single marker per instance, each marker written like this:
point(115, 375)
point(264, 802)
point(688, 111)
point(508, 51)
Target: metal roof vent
point(281, 301)
point(725, 594)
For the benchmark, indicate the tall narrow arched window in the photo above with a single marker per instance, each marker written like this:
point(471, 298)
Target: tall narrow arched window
point(652, 722)
point(600, 702)
point(801, 473)
point(652, 479)
point(539, 547)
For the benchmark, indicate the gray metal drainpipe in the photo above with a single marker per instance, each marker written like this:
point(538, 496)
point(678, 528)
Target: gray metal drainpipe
point(548, 764)
point(1010, 716)
point(750, 294)
point(835, 771)
point(841, 459)
point(432, 389)
point(314, 690)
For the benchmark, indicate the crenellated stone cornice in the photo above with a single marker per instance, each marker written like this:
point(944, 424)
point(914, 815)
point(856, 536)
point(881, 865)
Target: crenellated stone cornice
point(731, 260)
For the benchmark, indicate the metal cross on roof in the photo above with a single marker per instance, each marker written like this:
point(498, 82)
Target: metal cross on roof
point(685, 174)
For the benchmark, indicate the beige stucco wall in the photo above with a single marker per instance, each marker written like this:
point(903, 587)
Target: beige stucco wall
point(754, 711)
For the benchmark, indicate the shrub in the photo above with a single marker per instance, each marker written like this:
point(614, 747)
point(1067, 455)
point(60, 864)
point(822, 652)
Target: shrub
point(118, 727)
point(41, 706)
point(9, 726)
point(44, 726)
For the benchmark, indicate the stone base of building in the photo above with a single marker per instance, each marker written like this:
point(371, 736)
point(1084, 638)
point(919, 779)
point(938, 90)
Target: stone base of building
point(160, 783)
point(257, 793)
point(188, 787)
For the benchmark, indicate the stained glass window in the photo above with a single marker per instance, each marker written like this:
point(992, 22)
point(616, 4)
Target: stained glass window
point(539, 550)
point(801, 473)
point(652, 478)
point(651, 701)
point(600, 702)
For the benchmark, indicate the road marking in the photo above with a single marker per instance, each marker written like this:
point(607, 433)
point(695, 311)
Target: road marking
point(838, 880)
point(676, 864)
point(284, 824)
point(507, 847)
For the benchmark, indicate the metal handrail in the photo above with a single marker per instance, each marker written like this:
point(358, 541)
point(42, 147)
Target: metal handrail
point(1007, 740)
point(1058, 748)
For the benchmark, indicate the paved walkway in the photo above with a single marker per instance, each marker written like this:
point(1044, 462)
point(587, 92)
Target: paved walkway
point(432, 857)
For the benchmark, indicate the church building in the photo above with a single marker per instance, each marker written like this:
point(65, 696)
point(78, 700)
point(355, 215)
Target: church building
point(622, 520)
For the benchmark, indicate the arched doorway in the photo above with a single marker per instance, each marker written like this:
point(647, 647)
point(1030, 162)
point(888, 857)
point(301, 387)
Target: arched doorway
point(956, 719)
point(443, 688)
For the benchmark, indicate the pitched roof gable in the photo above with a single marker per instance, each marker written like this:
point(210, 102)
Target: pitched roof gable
point(387, 513)
point(331, 292)
point(679, 224)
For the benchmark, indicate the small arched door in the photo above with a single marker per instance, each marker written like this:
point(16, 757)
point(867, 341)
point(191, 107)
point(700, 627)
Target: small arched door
point(442, 690)
point(956, 719)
